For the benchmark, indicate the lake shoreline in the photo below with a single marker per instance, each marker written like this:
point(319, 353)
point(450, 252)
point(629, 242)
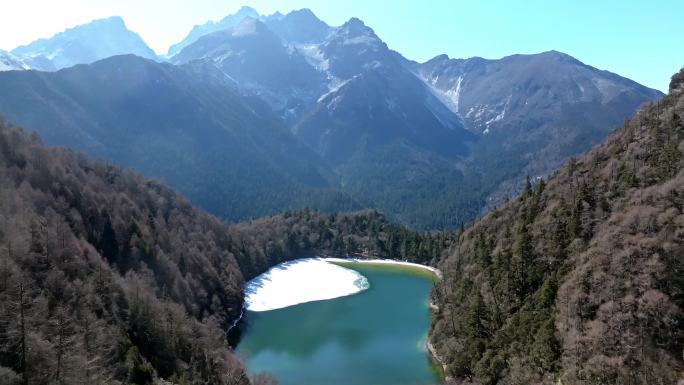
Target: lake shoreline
point(381, 261)
point(435, 272)
point(350, 330)
point(434, 355)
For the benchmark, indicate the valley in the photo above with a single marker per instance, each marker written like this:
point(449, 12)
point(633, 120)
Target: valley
point(278, 200)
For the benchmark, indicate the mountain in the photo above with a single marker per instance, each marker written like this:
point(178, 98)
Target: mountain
point(256, 59)
point(372, 98)
point(349, 98)
point(300, 26)
point(186, 125)
point(578, 280)
point(210, 26)
point(381, 128)
point(495, 94)
point(86, 44)
point(536, 110)
point(11, 62)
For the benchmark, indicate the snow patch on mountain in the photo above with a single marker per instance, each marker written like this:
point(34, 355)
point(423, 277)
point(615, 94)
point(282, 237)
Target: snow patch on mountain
point(246, 28)
point(454, 94)
point(314, 56)
point(364, 39)
point(442, 113)
point(334, 86)
point(450, 97)
point(501, 114)
point(607, 88)
point(10, 62)
point(392, 104)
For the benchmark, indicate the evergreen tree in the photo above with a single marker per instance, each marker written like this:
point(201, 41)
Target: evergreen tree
point(477, 317)
point(527, 190)
point(668, 161)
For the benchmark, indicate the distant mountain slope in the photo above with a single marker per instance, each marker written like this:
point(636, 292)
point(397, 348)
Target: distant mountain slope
point(495, 94)
point(394, 144)
point(536, 110)
point(9, 62)
point(374, 98)
point(256, 59)
point(200, 30)
point(185, 125)
point(85, 44)
point(579, 280)
point(300, 26)
point(349, 98)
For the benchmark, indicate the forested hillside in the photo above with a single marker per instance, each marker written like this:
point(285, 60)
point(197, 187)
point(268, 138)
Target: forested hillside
point(307, 233)
point(580, 279)
point(106, 277)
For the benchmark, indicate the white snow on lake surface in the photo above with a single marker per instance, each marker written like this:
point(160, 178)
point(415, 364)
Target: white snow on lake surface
point(300, 281)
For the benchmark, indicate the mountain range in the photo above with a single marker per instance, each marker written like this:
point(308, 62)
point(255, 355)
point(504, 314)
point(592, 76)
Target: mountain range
point(330, 114)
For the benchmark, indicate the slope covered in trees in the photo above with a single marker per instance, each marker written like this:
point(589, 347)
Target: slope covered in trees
point(308, 233)
point(579, 280)
point(106, 277)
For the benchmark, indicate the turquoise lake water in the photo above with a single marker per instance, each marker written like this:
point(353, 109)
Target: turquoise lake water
point(375, 337)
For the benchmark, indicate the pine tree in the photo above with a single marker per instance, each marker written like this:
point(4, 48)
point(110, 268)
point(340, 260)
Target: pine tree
point(477, 317)
point(575, 219)
point(527, 190)
point(668, 161)
point(523, 251)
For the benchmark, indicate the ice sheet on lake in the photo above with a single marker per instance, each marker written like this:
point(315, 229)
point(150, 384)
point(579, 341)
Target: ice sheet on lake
point(300, 281)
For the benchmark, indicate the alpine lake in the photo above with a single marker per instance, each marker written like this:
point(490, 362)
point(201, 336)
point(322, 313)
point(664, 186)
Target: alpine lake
point(374, 337)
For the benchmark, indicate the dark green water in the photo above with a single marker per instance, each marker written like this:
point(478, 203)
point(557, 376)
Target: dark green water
point(375, 337)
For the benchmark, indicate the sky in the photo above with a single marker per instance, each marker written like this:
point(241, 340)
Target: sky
point(642, 40)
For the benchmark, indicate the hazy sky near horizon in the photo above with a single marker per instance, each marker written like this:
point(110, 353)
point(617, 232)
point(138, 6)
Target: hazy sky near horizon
point(637, 39)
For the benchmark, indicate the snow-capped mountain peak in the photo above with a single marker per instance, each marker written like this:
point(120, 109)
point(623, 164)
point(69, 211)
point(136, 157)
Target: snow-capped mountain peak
point(10, 62)
point(87, 43)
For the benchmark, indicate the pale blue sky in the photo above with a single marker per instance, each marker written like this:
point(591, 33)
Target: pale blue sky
point(642, 40)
